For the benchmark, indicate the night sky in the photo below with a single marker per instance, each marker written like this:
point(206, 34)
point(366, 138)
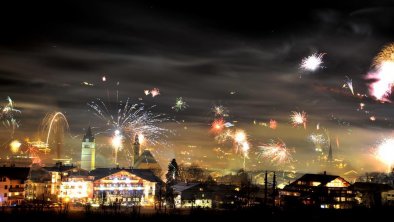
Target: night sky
point(245, 57)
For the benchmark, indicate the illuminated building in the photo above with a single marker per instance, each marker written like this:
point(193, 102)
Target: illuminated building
point(58, 173)
point(38, 185)
point(12, 185)
point(318, 190)
point(388, 198)
point(77, 188)
point(125, 186)
point(88, 154)
point(189, 195)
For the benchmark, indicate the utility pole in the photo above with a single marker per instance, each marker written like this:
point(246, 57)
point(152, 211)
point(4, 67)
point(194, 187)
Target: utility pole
point(265, 187)
point(274, 189)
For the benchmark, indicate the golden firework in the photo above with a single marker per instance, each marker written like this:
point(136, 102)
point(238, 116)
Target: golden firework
point(385, 55)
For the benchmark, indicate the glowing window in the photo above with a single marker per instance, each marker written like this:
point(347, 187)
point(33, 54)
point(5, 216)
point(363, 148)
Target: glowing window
point(315, 184)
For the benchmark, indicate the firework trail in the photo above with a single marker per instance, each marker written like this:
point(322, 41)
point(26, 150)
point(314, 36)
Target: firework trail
point(7, 115)
point(275, 151)
point(180, 104)
point(298, 118)
point(312, 62)
point(349, 84)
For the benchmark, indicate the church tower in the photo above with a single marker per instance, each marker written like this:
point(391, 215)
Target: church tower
point(88, 154)
point(136, 149)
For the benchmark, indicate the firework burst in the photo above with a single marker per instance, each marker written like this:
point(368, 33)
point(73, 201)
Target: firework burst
point(217, 126)
point(312, 62)
point(180, 104)
point(298, 119)
point(382, 81)
point(155, 92)
point(273, 124)
point(385, 55)
point(220, 110)
point(131, 119)
point(276, 152)
point(318, 141)
point(385, 152)
point(8, 115)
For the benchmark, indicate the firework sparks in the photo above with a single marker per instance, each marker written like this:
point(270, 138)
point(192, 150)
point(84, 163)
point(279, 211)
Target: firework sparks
point(131, 120)
point(15, 146)
point(180, 104)
point(385, 152)
point(220, 110)
point(349, 84)
point(217, 125)
point(7, 115)
point(298, 118)
point(385, 55)
point(383, 80)
point(362, 105)
point(224, 136)
point(155, 92)
point(273, 124)
point(372, 118)
point(276, 152)
point(147, 92)
point(318, 141)
point(312, 62)
point(240, 136)
point(103, 78)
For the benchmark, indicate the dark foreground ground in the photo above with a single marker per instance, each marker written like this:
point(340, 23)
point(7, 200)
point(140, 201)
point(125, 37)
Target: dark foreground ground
point(241, 215)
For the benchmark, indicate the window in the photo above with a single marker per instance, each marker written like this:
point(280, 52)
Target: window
point(5, 194)
point(5, 187)
point(10, 186)
point(17, 186)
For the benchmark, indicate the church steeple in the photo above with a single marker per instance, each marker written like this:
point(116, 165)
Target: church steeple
point(88, 153)
point(88, 137)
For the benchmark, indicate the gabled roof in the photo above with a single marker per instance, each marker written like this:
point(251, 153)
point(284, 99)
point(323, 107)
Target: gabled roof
point(15, 173)
point(145, 157)
point(148, 175)
point(322, 178)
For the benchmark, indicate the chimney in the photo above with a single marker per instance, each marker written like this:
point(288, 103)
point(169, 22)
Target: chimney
point(324, 173)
